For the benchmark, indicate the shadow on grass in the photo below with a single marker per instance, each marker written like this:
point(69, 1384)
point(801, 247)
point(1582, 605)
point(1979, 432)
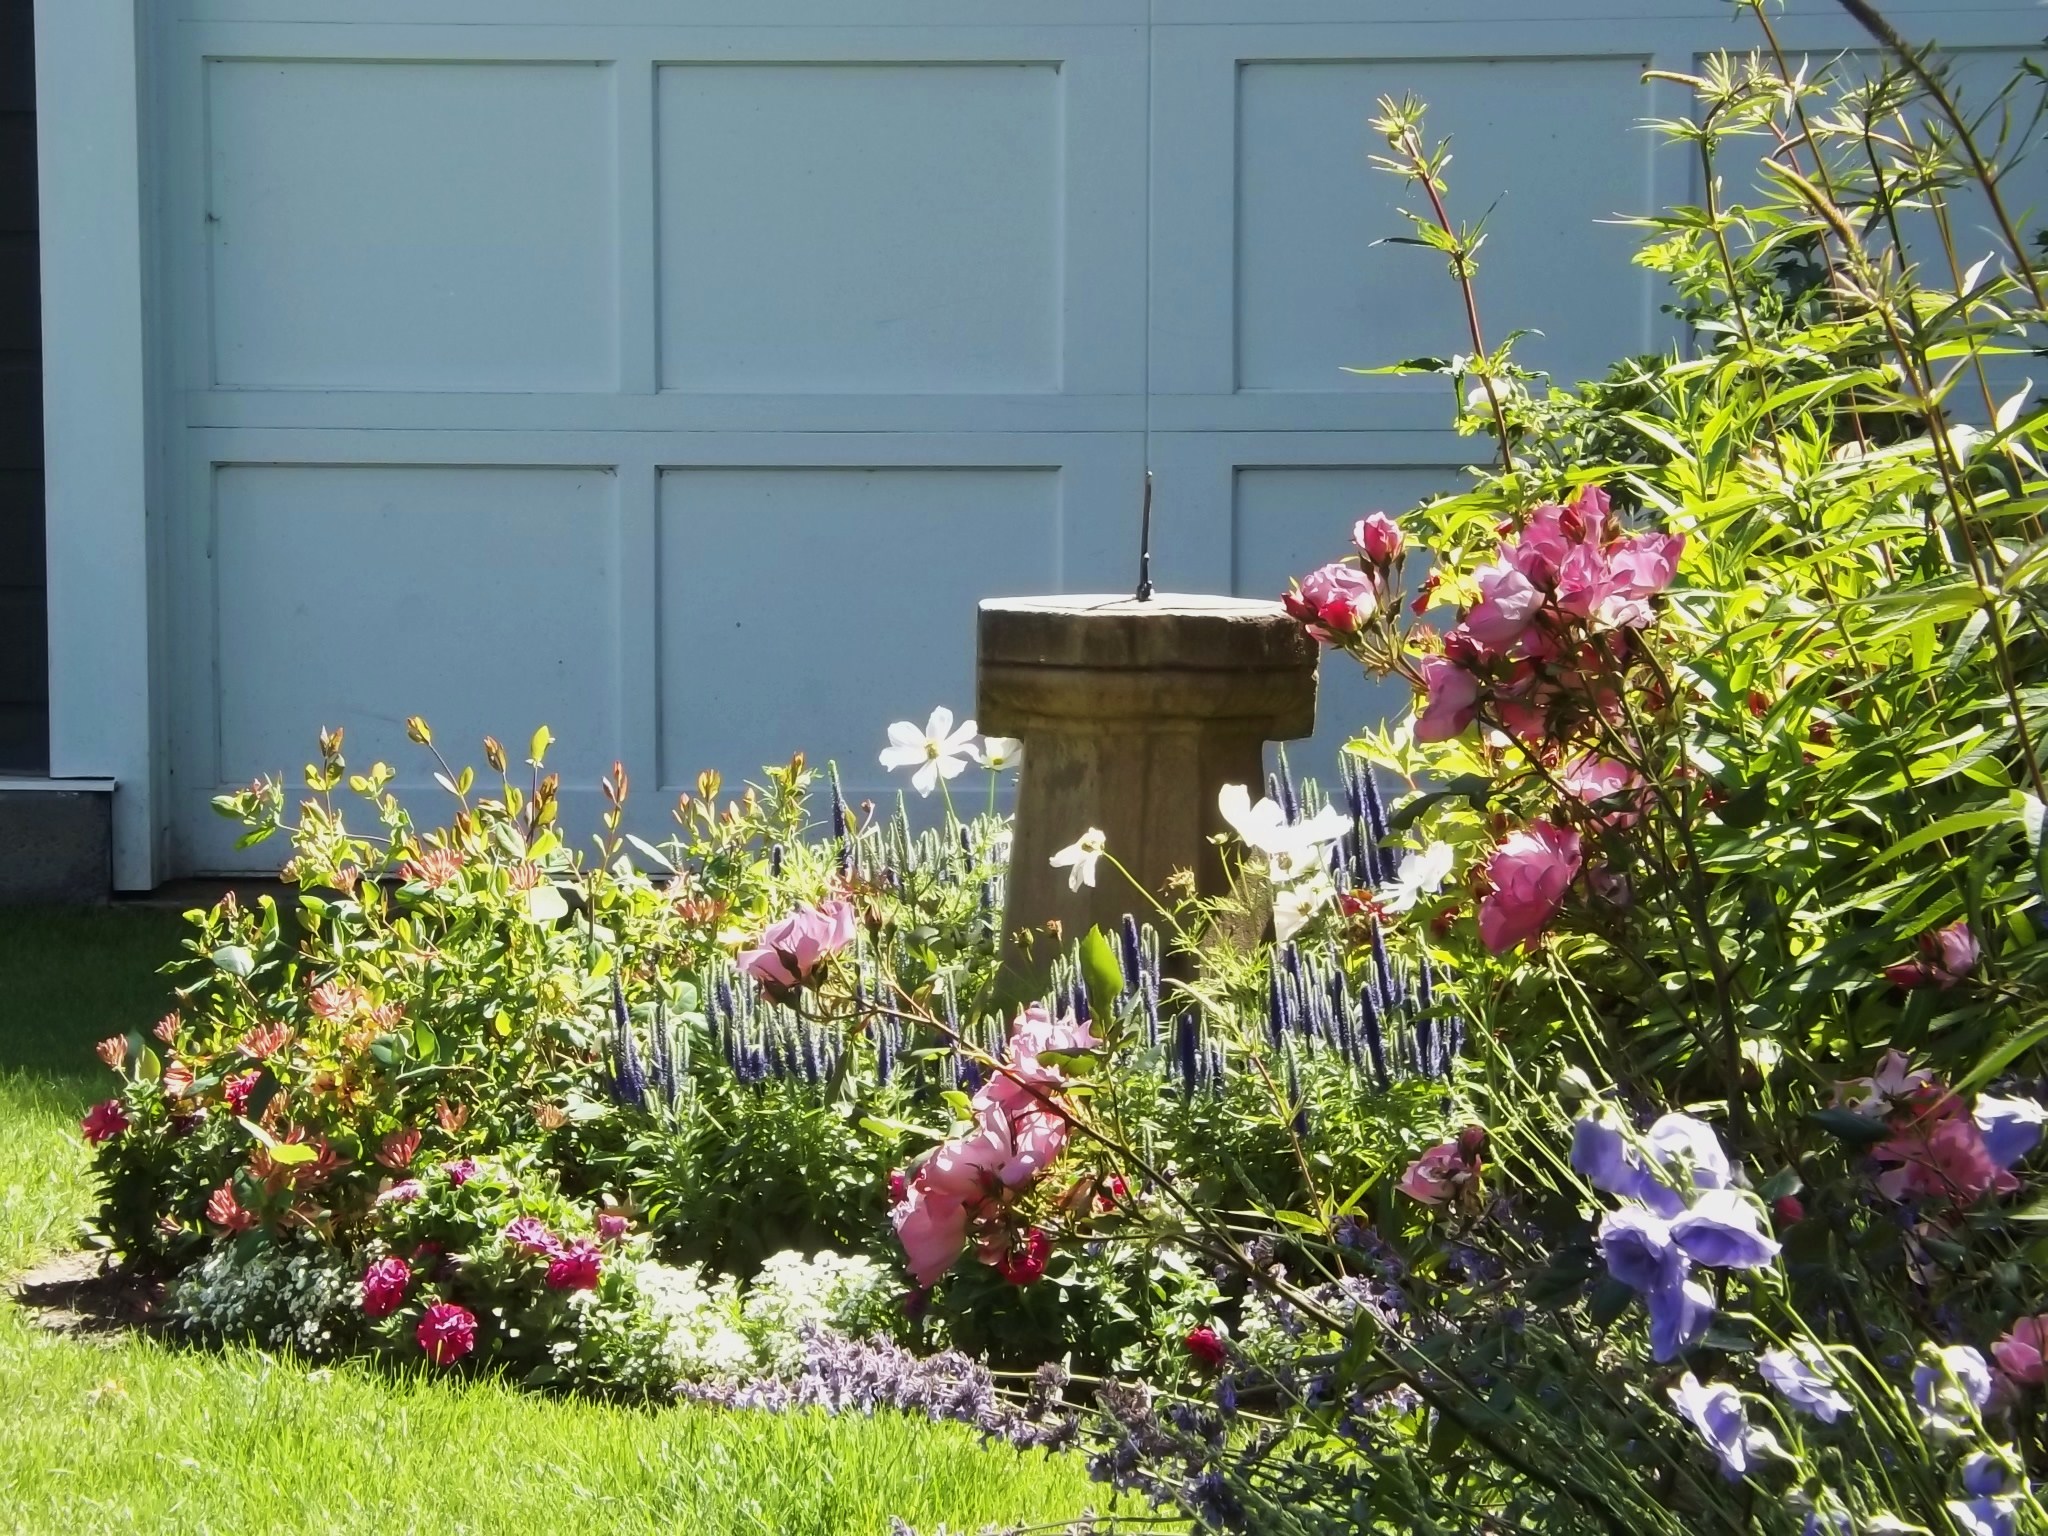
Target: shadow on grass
point(69, 977)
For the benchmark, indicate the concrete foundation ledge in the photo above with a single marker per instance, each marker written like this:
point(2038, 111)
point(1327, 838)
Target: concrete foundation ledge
point(56, 842)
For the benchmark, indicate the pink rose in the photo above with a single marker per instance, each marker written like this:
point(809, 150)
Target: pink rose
point(1034, 1032)
point(932, 1227)
point(2023, 1353)
point(1508, 602)
point(612, 1227)
point(1378, 538)
point(1947, 955)
point(1435, 1176)
point(1333, 600)
point(1646, 564)
point(1453, 702)
point(1939, 1153)
point(447, 1332)
point(384, 1286)
point(1596, 779)
point(1531, 871)
point(1584, 581)
point(794, 951)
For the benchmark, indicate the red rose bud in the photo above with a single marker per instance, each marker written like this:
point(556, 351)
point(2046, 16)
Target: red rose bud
point(899, 1187)
point(1472, 1143)
point(1207, 1347)
point(1022, 1266)
point(1786, 1210)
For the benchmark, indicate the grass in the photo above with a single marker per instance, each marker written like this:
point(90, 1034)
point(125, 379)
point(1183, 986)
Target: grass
point(137, 1435)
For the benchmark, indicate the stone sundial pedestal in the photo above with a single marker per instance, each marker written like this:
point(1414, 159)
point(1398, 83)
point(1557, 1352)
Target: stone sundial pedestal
point(1133, 715)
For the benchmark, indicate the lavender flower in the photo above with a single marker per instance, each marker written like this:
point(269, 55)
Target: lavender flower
point(1985, 1517)
point(1640, 1252)
point(1679, 1316)
point(1986, 1474)
point(1950, 1384)
point(1687, 1145)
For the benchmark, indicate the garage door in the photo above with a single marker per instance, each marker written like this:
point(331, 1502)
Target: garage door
point(681, 373)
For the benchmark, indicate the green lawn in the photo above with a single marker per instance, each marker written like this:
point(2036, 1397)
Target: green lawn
point(138, 1436)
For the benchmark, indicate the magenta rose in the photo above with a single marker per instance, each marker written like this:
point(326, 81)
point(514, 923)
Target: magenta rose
point(576, 1268)
point(1453, 702)
point(384, 1286)
point(2022, 1353)
point(447, 1332)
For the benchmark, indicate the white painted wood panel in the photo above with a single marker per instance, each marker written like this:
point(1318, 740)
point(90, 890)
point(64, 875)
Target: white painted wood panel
point(749, 344)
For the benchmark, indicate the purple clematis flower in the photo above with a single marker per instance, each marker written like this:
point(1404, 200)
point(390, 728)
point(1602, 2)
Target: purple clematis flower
point(1796, 1377)
point(1724, 1231)
point(1986, 1475)
point(1640, 1252)
point(2011, 1127)
point(1679, 1316)
point(1716, 1411)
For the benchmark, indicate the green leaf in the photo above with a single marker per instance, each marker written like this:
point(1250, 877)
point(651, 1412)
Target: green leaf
point(1101, 973)
point(2003, 1056)
point(289, 1154)
point(1475, 788)
point(1847, 1125)
point(426, 1045)
point(544, 904)
point(235, 960)
point(1963, 821)
point(538, 751)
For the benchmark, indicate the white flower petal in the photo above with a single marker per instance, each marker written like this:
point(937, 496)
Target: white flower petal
point(926, 779)
point(903, 756)
point(951, 767)
point(940, 723)
point(904, 734)
point(962, 739)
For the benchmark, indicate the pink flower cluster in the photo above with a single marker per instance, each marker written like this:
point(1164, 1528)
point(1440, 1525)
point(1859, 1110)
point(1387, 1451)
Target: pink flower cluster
point(1445, 1172)
point(103, 1122)
point(967, 1184)
point(1338, 600)
point(447, 1332)
point(793, 953)
point(1528, 645)
point(572, 1266)
point(1938, 1148)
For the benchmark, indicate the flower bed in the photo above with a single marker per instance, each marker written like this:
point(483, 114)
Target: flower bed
point(1628, 1125)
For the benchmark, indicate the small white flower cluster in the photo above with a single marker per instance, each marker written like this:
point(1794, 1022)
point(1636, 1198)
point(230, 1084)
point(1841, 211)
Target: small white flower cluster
point(303, 1299)
point(717, 1330)
point(849, 1295)
point(941, 751)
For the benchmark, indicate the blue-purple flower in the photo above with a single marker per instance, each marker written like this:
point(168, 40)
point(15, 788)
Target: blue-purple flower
point(2011, 1127)
point(1640, 1252)
point(1987, 1474)
point(1952, 1383)
point(1984, 1517)
point(1679, 1316)
point(1689, 1146)
point(1803, 1378)
point(1603, 1155)
point(1723, 1230)
point(1716, 1411)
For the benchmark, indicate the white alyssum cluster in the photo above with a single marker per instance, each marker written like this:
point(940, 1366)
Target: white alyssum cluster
point(299, 1299)
point(716, 1329)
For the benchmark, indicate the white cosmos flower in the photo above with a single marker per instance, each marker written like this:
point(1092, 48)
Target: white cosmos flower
point(1080, 857)
point(1294, 905)
point(1000, 752)
point(1265, 827)
point(1421, 874)
point(938, 751)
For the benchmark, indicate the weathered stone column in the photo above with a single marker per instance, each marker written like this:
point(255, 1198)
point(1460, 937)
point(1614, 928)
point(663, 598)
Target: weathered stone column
point(1133, 715)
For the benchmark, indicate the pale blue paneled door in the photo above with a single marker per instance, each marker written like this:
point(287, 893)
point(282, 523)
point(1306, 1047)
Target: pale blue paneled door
point(680, 372)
